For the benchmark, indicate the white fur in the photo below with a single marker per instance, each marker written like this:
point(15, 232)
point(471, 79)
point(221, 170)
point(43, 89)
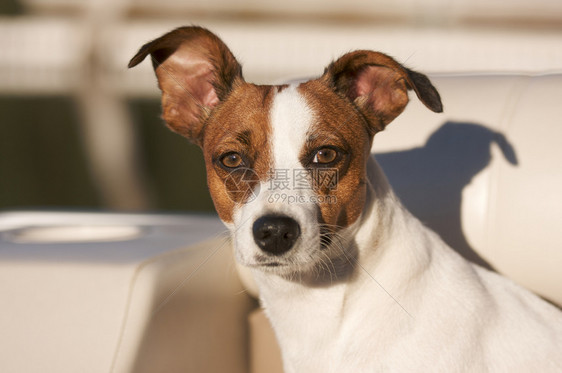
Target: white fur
point(291, 119)
point(411, 304)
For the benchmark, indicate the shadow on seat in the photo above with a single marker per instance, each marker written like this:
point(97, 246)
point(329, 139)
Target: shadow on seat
point(429, 180)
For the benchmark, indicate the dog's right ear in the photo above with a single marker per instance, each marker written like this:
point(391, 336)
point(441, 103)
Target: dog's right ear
point(195, 72)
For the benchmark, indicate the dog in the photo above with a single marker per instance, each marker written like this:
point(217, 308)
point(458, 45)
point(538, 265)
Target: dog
point(349, 279)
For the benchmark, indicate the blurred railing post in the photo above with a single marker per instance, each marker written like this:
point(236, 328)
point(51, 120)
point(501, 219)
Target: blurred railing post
point(108, 130)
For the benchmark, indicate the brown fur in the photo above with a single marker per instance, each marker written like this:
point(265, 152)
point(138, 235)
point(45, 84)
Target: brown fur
point(337, 122)
point(378, 85)
point(195, 71)
point(240, 124)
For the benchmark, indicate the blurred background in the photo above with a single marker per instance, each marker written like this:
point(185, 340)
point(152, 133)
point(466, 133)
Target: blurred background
point(80, 131)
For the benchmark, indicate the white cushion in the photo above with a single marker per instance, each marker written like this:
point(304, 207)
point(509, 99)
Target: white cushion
point(486, 173)
point(118, 293)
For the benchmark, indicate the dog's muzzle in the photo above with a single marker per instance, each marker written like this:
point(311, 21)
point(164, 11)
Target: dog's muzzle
point(276, 234)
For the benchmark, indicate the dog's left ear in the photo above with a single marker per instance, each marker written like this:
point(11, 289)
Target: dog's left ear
point(379, 85)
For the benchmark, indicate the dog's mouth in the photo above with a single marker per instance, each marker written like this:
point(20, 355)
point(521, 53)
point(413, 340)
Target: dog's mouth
point(267, 262)
point(278, 267)
point(326, 265)
point(272, 264)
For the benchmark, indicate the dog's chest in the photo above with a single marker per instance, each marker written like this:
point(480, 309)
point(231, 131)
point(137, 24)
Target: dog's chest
point(324, 329)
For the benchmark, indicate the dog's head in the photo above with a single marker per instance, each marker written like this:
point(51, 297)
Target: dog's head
point(286, 165)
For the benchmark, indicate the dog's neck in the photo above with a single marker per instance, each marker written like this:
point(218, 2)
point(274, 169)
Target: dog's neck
point(293, 302)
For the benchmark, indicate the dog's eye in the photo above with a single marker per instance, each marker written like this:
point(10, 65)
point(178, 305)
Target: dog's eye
point(325, 155)
point(231, 160)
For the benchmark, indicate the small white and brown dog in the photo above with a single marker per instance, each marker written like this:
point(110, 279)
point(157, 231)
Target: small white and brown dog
point(349, 279)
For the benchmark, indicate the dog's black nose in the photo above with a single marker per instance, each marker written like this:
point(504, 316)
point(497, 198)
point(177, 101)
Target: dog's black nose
point(276, 234)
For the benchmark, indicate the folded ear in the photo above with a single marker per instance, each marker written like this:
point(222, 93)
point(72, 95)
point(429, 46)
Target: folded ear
point(379, 85)
point(195, 72)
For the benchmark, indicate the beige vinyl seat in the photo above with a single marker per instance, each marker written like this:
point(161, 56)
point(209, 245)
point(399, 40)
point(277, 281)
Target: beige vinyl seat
point(163, 297)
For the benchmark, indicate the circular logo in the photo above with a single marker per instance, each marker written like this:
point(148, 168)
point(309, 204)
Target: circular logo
point(242, 185)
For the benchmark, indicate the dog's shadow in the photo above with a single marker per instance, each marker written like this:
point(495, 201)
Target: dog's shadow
point(429, 180)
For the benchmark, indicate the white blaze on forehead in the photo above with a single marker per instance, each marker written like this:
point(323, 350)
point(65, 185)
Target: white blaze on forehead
point(291, 118)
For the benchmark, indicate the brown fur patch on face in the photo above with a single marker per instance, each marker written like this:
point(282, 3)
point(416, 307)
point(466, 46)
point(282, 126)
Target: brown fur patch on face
point(239, 125)
point(338, 123)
